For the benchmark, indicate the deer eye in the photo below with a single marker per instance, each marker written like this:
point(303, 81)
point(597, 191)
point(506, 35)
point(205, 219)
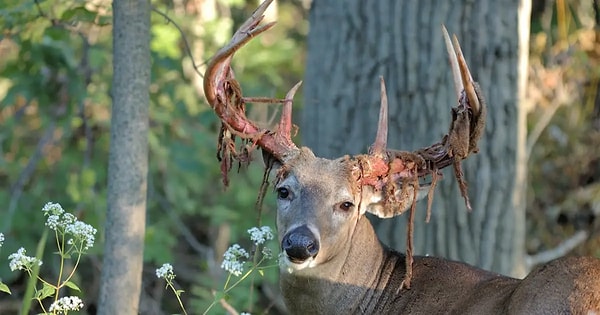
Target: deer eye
point(346, 206)
point(283, 193)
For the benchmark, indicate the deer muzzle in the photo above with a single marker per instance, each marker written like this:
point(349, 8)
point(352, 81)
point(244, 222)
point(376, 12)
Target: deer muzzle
point(300, 244)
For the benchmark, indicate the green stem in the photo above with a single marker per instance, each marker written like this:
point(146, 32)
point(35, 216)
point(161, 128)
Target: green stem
point(34, 275)
point(178, 298)
point(42, 306)
point(61, 250)
point(227, 282)
point(255, 263)
point(210, 306)
point(225, 289)
point(72, 271)
point(242, 277)
point(45, 282)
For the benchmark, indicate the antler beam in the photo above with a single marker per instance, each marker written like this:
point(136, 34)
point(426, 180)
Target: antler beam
point(224, 95)
point(383, 166)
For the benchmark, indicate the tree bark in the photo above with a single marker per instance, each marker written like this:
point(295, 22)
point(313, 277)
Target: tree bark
point(128, 160)
point(352, 43)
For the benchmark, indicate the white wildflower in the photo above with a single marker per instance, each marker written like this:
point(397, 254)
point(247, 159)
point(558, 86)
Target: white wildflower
point(20, 261)
point(52, 221)
point(166, 272)
point(267, 252)
point(81, 232)
point(57, 217)
point(244, 313)
point(233, 259)
point(67, 219)
point(1, 239)
point(260, 235)
point(53, 209)
point(66, 304)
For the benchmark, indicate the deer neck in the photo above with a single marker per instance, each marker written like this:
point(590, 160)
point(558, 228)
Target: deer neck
point(355, 278)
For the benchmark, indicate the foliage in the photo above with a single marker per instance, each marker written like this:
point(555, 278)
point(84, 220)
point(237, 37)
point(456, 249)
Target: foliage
point(564, 126)
point(54, 130)
point(73, 238)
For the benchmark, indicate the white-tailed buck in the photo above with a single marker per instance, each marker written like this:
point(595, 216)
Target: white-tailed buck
point(333, 261)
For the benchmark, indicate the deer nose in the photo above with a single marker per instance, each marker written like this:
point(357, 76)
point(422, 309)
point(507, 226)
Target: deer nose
point(300, 244)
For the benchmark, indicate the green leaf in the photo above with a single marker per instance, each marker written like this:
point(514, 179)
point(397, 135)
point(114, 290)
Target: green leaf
point(261, 272)
point(4, 288)
point(46, 291)
point(72, 286)
point(79, 14)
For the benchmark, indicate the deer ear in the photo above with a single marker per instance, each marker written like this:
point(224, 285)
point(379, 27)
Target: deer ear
point(374, 202)
point(270, 161)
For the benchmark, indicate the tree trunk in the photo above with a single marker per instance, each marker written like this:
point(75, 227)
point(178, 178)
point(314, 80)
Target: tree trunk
point(352, 43)
point(128, 161)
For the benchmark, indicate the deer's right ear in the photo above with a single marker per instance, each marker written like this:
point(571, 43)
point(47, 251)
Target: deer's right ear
point(270, 161)
point(272, 164)
point(374, 201)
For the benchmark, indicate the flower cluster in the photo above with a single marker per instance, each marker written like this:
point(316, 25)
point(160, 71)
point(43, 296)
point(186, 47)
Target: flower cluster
point(267, 252)
point(260, 235)
point(64, 222)
point(1, 239)
point(66, 304)
point(81, 232)
point(20, 261)
point(57, 218)
point(166, 272)
point(233, 259)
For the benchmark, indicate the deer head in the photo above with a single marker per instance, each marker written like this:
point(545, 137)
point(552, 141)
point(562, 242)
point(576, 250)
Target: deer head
point(320, 201)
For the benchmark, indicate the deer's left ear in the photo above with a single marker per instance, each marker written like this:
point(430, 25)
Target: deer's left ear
point(375, 202)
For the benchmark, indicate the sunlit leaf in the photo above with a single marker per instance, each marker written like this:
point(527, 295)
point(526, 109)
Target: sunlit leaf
point(45, 292)
point(73, 286)
point(4, 288)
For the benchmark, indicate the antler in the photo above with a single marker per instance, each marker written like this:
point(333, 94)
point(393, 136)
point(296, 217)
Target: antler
point(224, 95)
point(383, 166)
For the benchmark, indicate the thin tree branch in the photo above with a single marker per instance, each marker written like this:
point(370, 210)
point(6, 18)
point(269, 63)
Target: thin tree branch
point(562, 249)
point(202, 250)
point(185, 42)
point(539, 127)
point(17, 188)
point(230, 309)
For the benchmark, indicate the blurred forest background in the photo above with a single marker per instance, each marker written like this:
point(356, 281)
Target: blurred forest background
point(55, 74)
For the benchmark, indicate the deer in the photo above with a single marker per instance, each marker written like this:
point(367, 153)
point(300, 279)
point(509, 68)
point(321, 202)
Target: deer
point(332, 260)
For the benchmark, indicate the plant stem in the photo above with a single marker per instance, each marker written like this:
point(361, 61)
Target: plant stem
point(72, 271)
point(178, 298)
point(61, 250)
point(33, 275)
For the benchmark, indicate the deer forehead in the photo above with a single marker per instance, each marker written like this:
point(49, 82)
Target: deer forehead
point(319, 177)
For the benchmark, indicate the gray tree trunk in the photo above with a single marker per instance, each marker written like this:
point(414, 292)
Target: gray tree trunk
point(128, 161)
point(353, 42)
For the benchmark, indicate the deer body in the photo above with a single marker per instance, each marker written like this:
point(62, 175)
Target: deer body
point(353, 273)
point(332, 261)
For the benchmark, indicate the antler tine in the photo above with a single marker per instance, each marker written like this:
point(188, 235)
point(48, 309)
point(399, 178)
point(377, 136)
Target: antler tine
point(218, 67)
point(379, 147)
point(456, 75)
point(224, 95)
point(466, 78)
point(460, 71)
point(284, 129)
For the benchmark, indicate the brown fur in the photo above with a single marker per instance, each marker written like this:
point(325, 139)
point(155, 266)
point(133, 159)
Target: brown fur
point(355, 274)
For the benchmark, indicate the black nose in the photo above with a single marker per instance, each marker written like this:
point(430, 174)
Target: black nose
point(299, 244)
